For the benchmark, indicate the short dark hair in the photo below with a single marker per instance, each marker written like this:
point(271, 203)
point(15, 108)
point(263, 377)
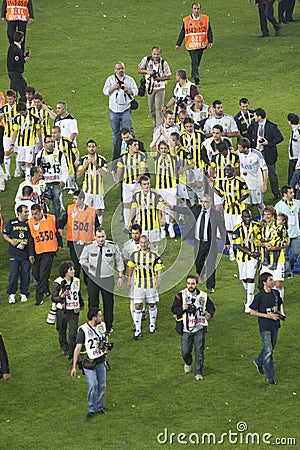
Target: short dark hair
point(47, 136)
point(293, 118)
point(131, 141)
point(91, 141)
point(175, 134)
point(20, 208)
point(64, 267)
point(285, 189)
point(18, 36)
point(193, 277)
point(27, 191)
point(125, 131)
point(182, 74)
point(217, 102)
point(260, 112)
point(263, 279)
point(243, 100)
point(79, 193)
point(34, 170)
point(188, 120)
point(222, 146)
point(285, 219)
point(38, 97)
point(21, 106)
point(99, 229)
point(137, 227)
point(244, 142)
point(30, 90)
point(144, 178)
point(11, 93)
point(36, 207)
point(93, 312)
point(218, 127)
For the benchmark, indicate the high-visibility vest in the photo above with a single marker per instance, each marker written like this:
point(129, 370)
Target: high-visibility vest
point(17, 10)
point(80, 225)
point(196, 32)
point(43, 233)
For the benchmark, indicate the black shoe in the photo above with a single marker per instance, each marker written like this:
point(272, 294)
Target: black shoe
point(102, 411)
point(259, 368)
point(90, 414)
point(271, 381)
point(39, 304)
point(65, 352)
point(197, 80)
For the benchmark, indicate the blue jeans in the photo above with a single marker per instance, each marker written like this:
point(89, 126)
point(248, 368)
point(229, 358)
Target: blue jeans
point(265, 358)
point(291, 254)
point(118, 121)
point(54, 191)
point(96, 384)
point(19, 268)
point(198, 340)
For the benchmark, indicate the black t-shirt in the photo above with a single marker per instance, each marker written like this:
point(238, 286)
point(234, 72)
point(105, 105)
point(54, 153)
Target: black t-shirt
point(19, 231)
point(266, 302)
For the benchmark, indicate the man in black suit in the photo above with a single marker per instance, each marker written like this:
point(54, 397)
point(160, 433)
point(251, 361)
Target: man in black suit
point(266, 13)
point(265, 135)
point(15, 65)
point(203, 226)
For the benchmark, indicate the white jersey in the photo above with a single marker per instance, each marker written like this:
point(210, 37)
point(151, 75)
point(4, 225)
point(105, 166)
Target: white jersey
point(251, 167)
point(129, 247)
point(228, 123)
point(197, 116)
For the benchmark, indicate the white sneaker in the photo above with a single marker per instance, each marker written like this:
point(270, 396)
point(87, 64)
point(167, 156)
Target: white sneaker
point(23, 298)
point(17, 173)
point(7, 177)
point(162, 234)
point(12, 299)
point(171, 232)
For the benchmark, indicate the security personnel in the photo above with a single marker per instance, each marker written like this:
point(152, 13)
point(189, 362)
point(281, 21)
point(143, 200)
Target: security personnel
point(197, 32)
point(17, 13)
point(99, 259)
point(16, 59)
point(81, 221)
point(55, 171)
point(43, 242)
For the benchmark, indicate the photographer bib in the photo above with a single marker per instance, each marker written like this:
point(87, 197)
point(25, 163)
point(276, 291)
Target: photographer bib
point(93, 338)
point(194, 319)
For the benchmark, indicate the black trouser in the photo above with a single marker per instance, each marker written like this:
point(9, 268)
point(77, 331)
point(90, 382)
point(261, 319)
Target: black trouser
point(273, 179)
point(1, 144)
point(106, 287)
point(12, 27)
point(291, 169)
point(75, 252)
point(41, 271)
point(206, 254)
point(18, 84)
point(266, 12)
point(287, 7)
point(67, 319)
point(196, 56)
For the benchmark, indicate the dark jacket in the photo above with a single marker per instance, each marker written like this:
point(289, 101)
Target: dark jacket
point(15, 59)
point(178, 310)
point(273, 136)
point(4, 367)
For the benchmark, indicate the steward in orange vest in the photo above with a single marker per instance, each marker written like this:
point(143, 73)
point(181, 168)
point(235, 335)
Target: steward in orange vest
point(197, 32)
point(17, 13)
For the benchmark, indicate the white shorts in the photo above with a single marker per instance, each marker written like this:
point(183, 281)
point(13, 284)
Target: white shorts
point(278, 274)
point(149, 294)
point(95, 200)
point(128, 190)
point(182, 191)
point(25, 154)
point(152, 235)
point(169, 195)
point(247, 269)
point(231, 220)
point(6, 144)
point(255, 197)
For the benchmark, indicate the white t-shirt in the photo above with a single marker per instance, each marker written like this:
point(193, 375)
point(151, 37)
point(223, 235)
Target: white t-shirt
point(251, 167)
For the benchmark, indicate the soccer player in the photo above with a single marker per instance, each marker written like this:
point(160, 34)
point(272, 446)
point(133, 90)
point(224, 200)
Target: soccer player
point(69, 149)
point(147, 267)
point(93, 167)
point(130, 168)
point(7, 113)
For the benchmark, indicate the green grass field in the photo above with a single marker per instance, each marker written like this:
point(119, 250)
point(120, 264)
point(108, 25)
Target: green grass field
point(74, 45)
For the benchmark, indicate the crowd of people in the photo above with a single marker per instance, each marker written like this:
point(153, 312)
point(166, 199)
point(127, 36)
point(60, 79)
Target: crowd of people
point(203, 171)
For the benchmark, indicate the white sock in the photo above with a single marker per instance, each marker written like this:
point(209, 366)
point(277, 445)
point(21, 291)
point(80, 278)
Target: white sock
point(250, 293)
point(7, 164)
point(152, 316)
point(126, 215)
point(261, 210)
point(245, 285)
point(27, 173)
point(132, 308)
point(281, 291)
point(137, 317)
point(171, 225)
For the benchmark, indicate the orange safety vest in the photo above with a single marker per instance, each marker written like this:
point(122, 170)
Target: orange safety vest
point(80, 225)
point(17, 10)
point(2, 101)
point(43, 233)
point(196, 32)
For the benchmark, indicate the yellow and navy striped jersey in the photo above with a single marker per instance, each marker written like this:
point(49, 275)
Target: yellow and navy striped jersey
point(9, 113)
point(218, 161)
point(147, 205)
point(44, 119)
point(233, 189)
point(281, 236)
point(165, 169)
point(132, 165)
point(93, 180)
point(248, 236)
point(185, 158)
point(145, 265)
point(27, 128)
point(68, 148)
point(193, 143)
point(270, 234)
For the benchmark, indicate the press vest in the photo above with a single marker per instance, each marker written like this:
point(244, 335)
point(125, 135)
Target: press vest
point(72, 301)
point(92, 340)
point(80, 225)
point(17, 10)
point(194, 321)
point(43, 233)
point(196, 32)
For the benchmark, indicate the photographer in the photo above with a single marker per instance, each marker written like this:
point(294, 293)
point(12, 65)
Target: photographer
point(55, 170)
point(193, 309)
point(156, 72)
point(267, 306)
point(68, 299)
point(184, 93)
point(120, 88)
point(92, 341)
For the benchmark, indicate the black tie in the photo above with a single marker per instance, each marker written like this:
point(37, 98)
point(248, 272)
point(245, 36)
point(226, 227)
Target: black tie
point(202, 225)
point(99, 262)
